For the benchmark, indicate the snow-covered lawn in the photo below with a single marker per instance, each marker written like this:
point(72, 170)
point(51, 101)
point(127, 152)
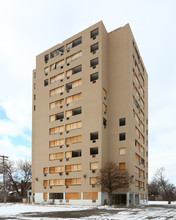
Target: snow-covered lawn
point(154, 210)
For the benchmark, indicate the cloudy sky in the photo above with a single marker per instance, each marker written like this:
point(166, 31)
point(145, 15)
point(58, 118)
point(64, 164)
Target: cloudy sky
point(28, 27)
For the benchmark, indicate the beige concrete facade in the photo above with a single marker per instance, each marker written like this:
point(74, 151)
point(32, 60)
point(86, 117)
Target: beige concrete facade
point(90, 106)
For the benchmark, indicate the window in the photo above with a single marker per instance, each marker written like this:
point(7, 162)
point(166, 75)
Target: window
point(34, 74)
point(93, 180)
point(122, 121)
point(94, 33)
point(74, 139)
point(57, 52)
point(46, 58)
point(73, 84)
point(73, 98)
point(56, 156)
point(45, 196)
point(56, 143)
point(73, 126)
point(93, 77)
point(73, 168)
point(46, 82)
point(94, 136)
point(34, 97)
point(34, 107)
point(74, 153)
point(56, 130)
point(56, 196)
point(104, 122)
point(94, 62)
point(57, 90)
point(74, 70)
point(56, 117)
point(74, 43)
point(90, 195)
point(34, 85)
point(45, 183)
point(56, 169)
point(122, 166)
point(46, 71)
point(56, 182)
point(73, 181)
point(74, 57)
point(93, 48)
point(104, 108)
point(45, 170)
point(93, 150)
point(122, 151)
point(94, 166)
point(73, 195)
point(60, 64)
point(57, 103)
point(122, 136)
point(104, 93)
point(57, 78)
point(76, 111)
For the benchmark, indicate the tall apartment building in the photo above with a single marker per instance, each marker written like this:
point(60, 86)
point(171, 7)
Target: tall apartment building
point(90, 106)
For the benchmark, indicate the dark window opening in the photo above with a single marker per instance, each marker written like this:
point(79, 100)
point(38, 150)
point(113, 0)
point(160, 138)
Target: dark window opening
point(34, 74)
point(104, 122)
point(59, 116)
point(56, 196)
point(34, 97)
point(76, 153)
point(46, 58)
point(76, 111)
point(77, 69)
point(94, 33)
point(93, 76)
point(34, 107)
point(69, 86)
point(57, 52)
point(93, 47)
point(46, 82)
point(122, 121)
point(122, 136)
point(93, 150)
point(94, 62)
point(77, 42)
point(93, 136)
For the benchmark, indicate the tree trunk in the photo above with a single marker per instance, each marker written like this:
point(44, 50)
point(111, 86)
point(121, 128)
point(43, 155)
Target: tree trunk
point(110, 198)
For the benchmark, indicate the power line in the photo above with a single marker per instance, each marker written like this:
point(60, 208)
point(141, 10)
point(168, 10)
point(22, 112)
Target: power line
point(4, 158)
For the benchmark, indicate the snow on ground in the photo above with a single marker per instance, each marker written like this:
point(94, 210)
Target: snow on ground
point(157, 212)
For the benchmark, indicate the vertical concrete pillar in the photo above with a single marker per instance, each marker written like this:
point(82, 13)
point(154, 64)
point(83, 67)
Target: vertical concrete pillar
point(127, 198)
point(133, 201)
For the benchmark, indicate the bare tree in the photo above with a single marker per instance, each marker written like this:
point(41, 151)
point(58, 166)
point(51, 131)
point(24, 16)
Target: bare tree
point(18, 175)
point(153, 190)
point(111, 178)
point(168, 189)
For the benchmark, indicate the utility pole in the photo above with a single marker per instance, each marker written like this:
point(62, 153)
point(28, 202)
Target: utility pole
point(4, 171)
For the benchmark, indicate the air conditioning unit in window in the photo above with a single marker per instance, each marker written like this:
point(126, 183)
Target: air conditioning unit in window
point(67, 118)
point(60, 174)
point(93, 171)
point(61, 93)
point(94, 81)
point(67, 173)
point(94, 67)
point(45, 174)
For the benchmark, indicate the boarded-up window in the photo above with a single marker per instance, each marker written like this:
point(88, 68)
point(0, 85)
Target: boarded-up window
point(60, 64)
point(57, 77)
point(56, 91)
point(57, 103)
point(94, 165)
point(73, 126)
point(74, 139)
point(105, 108)
point(56, 182)
point(73, 167)
point(74, 57)
point(90, 195)
point(122, 166)
point(73, 98)
point(56, 142)
point(73, 181)
point(56, 130)
point(122, 151)
point(45, 183)
point(45, 196)
point(93, 180)
point(56, 169)
point(56, 156)
point(45, 170)
point(72, 195)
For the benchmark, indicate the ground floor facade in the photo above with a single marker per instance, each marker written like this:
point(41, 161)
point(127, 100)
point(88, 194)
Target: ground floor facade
point(89, 198)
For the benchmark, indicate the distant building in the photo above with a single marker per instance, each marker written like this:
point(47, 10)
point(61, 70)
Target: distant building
point(90, 106)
